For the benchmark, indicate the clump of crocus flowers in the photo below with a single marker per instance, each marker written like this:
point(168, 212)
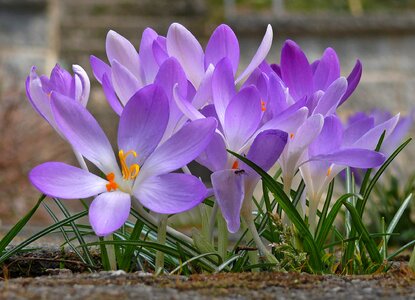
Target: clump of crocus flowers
point(179, 103)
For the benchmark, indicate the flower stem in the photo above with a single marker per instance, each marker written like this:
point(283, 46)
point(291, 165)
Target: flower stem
point(222, 237)
point(111, 253)
point(161, 239)
point(212, 221)
point(257, 239)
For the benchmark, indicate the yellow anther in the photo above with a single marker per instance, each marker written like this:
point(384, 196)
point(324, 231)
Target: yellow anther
point(291, 135)
point(128, 172)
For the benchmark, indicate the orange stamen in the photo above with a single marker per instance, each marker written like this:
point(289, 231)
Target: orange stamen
point(291, 135)
point(112, 185)
point(263, 108)
point(235, 165)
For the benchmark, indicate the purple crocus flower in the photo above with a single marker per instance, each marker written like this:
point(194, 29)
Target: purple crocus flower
point(179, 53)
point(304, 79)
point(145, 165)
point(239, 115)
point(40, 88)
point(335, 149)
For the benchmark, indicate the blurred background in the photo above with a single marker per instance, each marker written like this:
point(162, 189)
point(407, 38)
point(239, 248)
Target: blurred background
point(381, 33)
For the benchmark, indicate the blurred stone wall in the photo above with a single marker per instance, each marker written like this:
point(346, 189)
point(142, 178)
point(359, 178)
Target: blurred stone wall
point(42, 32)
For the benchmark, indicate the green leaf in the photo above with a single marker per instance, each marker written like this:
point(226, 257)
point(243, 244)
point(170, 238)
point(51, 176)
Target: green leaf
point(361, 229)
point(41, 234)
point(5, 241)
point(125, 263)
point(196, 258)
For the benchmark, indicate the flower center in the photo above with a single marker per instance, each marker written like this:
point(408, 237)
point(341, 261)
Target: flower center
point(128, 172)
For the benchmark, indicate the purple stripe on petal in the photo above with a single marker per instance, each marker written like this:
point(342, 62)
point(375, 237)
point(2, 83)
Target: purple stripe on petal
point(183, 147)
point(143, 122)
point(296, 71)
point(171, 193)
point(352, 81)
point(60, 180)
point(222, 43)
point(108, 212)
point(228, 186)
point(83, 132)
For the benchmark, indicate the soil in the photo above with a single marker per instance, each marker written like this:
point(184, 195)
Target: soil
point(63, 277)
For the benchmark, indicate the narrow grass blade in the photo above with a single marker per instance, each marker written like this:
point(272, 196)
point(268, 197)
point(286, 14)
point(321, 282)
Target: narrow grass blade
point(40, 234)
point(397, 217)
point(326, 206)
point(5, 241)
point(125, 263)
point(361, 229)
point(194, 259)
point(227, 263)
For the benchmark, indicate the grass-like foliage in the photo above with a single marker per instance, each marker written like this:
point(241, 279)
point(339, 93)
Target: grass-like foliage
point(341, 243)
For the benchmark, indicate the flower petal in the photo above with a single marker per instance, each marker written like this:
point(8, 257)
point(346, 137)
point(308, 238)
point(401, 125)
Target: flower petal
point(215, 156)
point(183, 147)
point(99, 68)
point(371, 138)
point(143, 122)
point(108, 212)
point(223, 87)
point(330, 137)
point(306, 134)
point(148, 62)
point(60, 180)
point(296, 71)
point(242, 117)
point(267, 148)
point(171, 193)
point(327, 70)
point(38, 97)
point(124, 82)
point(204, 92)
point(110, 95)
point(356, 130)
point(120, 49)
point(331, 98)
point(85, 84)
point(222, 43)
point(259, 56)
point(186, 49)
point(353, 157)
point(83, 132)
point(352, 81)
point(228, 186)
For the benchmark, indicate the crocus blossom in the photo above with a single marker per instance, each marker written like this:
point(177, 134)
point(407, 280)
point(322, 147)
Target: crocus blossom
point(145, 165)
point(40, 88)
point(239, 115)
point(305, 79)
point(336, 148)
